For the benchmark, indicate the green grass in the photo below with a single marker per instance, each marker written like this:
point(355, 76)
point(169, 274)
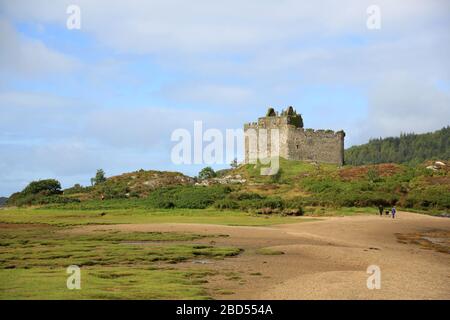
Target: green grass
point(115, 265)
point(103, 283)
point(289, 171)
point(337, 212)
point(48, 246)
point(117, 216)
point(325, 185)
point(36, 247)
point(269, 252)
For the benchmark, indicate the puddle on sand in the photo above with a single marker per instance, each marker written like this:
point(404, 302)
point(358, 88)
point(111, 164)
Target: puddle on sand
point(204, 261)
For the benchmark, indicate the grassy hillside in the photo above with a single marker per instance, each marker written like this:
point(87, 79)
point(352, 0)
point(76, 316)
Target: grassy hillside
point(136, 184)
point(131, 185)
point(326, 185)
point(408, 148)
point(296, 188)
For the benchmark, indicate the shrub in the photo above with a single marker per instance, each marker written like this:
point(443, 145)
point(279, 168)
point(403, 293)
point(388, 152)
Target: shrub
point(36, 192)
point(253, 204)
point(112, 191)
point(77, 188)
point(245, 196)
point(192, 197)
point(432, 197)
point(226, 204)
point(99, 177)
point(206, 173)
point(47, 186)
point(296, 203)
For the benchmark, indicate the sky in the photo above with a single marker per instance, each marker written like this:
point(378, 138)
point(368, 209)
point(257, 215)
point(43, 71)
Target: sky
point(109, 94)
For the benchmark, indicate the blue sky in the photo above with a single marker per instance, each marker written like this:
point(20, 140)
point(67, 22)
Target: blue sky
point(110, 94)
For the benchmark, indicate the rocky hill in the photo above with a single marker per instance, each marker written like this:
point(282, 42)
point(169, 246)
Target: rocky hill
point(136, 184)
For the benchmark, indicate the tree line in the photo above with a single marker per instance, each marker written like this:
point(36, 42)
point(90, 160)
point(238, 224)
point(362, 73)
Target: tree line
point(408, 148)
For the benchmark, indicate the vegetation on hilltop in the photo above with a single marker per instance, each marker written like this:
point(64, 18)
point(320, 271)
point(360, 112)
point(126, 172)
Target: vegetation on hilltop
point(38, 193)
point(408, 148)
point(138, 184)
point(296, 187)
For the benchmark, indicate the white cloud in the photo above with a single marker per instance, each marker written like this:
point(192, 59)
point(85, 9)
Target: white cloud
point(30, 57)
point(210, 94)
point(402, 105)
point(39, 116)
point(203, 26)
point(247, 54)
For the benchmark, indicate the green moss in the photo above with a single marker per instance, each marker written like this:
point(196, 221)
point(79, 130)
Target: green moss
point(115, 265)
point(269, 252)
point(102, 283)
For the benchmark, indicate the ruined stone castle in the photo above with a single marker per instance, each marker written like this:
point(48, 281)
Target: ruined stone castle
point(295, 142)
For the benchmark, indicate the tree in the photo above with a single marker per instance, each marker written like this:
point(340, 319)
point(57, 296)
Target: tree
point(408, 148)
point(234, 164)
point(271, 112)
point(206, 173)
point(47, 186)
point(99, 177)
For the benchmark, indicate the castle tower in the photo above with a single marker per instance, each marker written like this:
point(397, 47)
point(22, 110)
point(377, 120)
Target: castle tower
point(295, 142)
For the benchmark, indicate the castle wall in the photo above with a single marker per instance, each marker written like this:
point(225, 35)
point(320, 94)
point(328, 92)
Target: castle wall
point(320, 146)
point(264, 129)
point(296, 143)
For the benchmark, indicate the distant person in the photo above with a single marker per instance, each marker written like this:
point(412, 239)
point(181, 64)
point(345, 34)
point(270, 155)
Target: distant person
point(380, 209)
point(394, 211)
point(103, 197)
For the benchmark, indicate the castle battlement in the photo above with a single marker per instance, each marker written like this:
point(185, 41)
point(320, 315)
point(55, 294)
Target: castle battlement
point(296, 142)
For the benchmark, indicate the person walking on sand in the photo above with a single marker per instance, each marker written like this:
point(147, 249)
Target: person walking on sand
point(380, 209)
point(394, 211)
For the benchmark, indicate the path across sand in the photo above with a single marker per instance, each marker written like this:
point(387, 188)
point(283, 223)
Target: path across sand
point(325, 259)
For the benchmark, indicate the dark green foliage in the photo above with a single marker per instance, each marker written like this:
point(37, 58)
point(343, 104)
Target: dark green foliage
point(350, 199)
point(77, 188)
point(112, 191)
point(224, 204)
point(99, 177)
point(270, 112)
point(297, 121)
point(269, 202)
point(408, 148)
point(47, 187)
point(238, 196)
point(37, 192)
point(234, 164)
point(206, 173)
point(254, 202)
point(39, 199)
point(193, 197)
point(432, 197)
point(408, 187)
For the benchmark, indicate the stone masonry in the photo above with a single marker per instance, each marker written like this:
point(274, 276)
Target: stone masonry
point(295, 142)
